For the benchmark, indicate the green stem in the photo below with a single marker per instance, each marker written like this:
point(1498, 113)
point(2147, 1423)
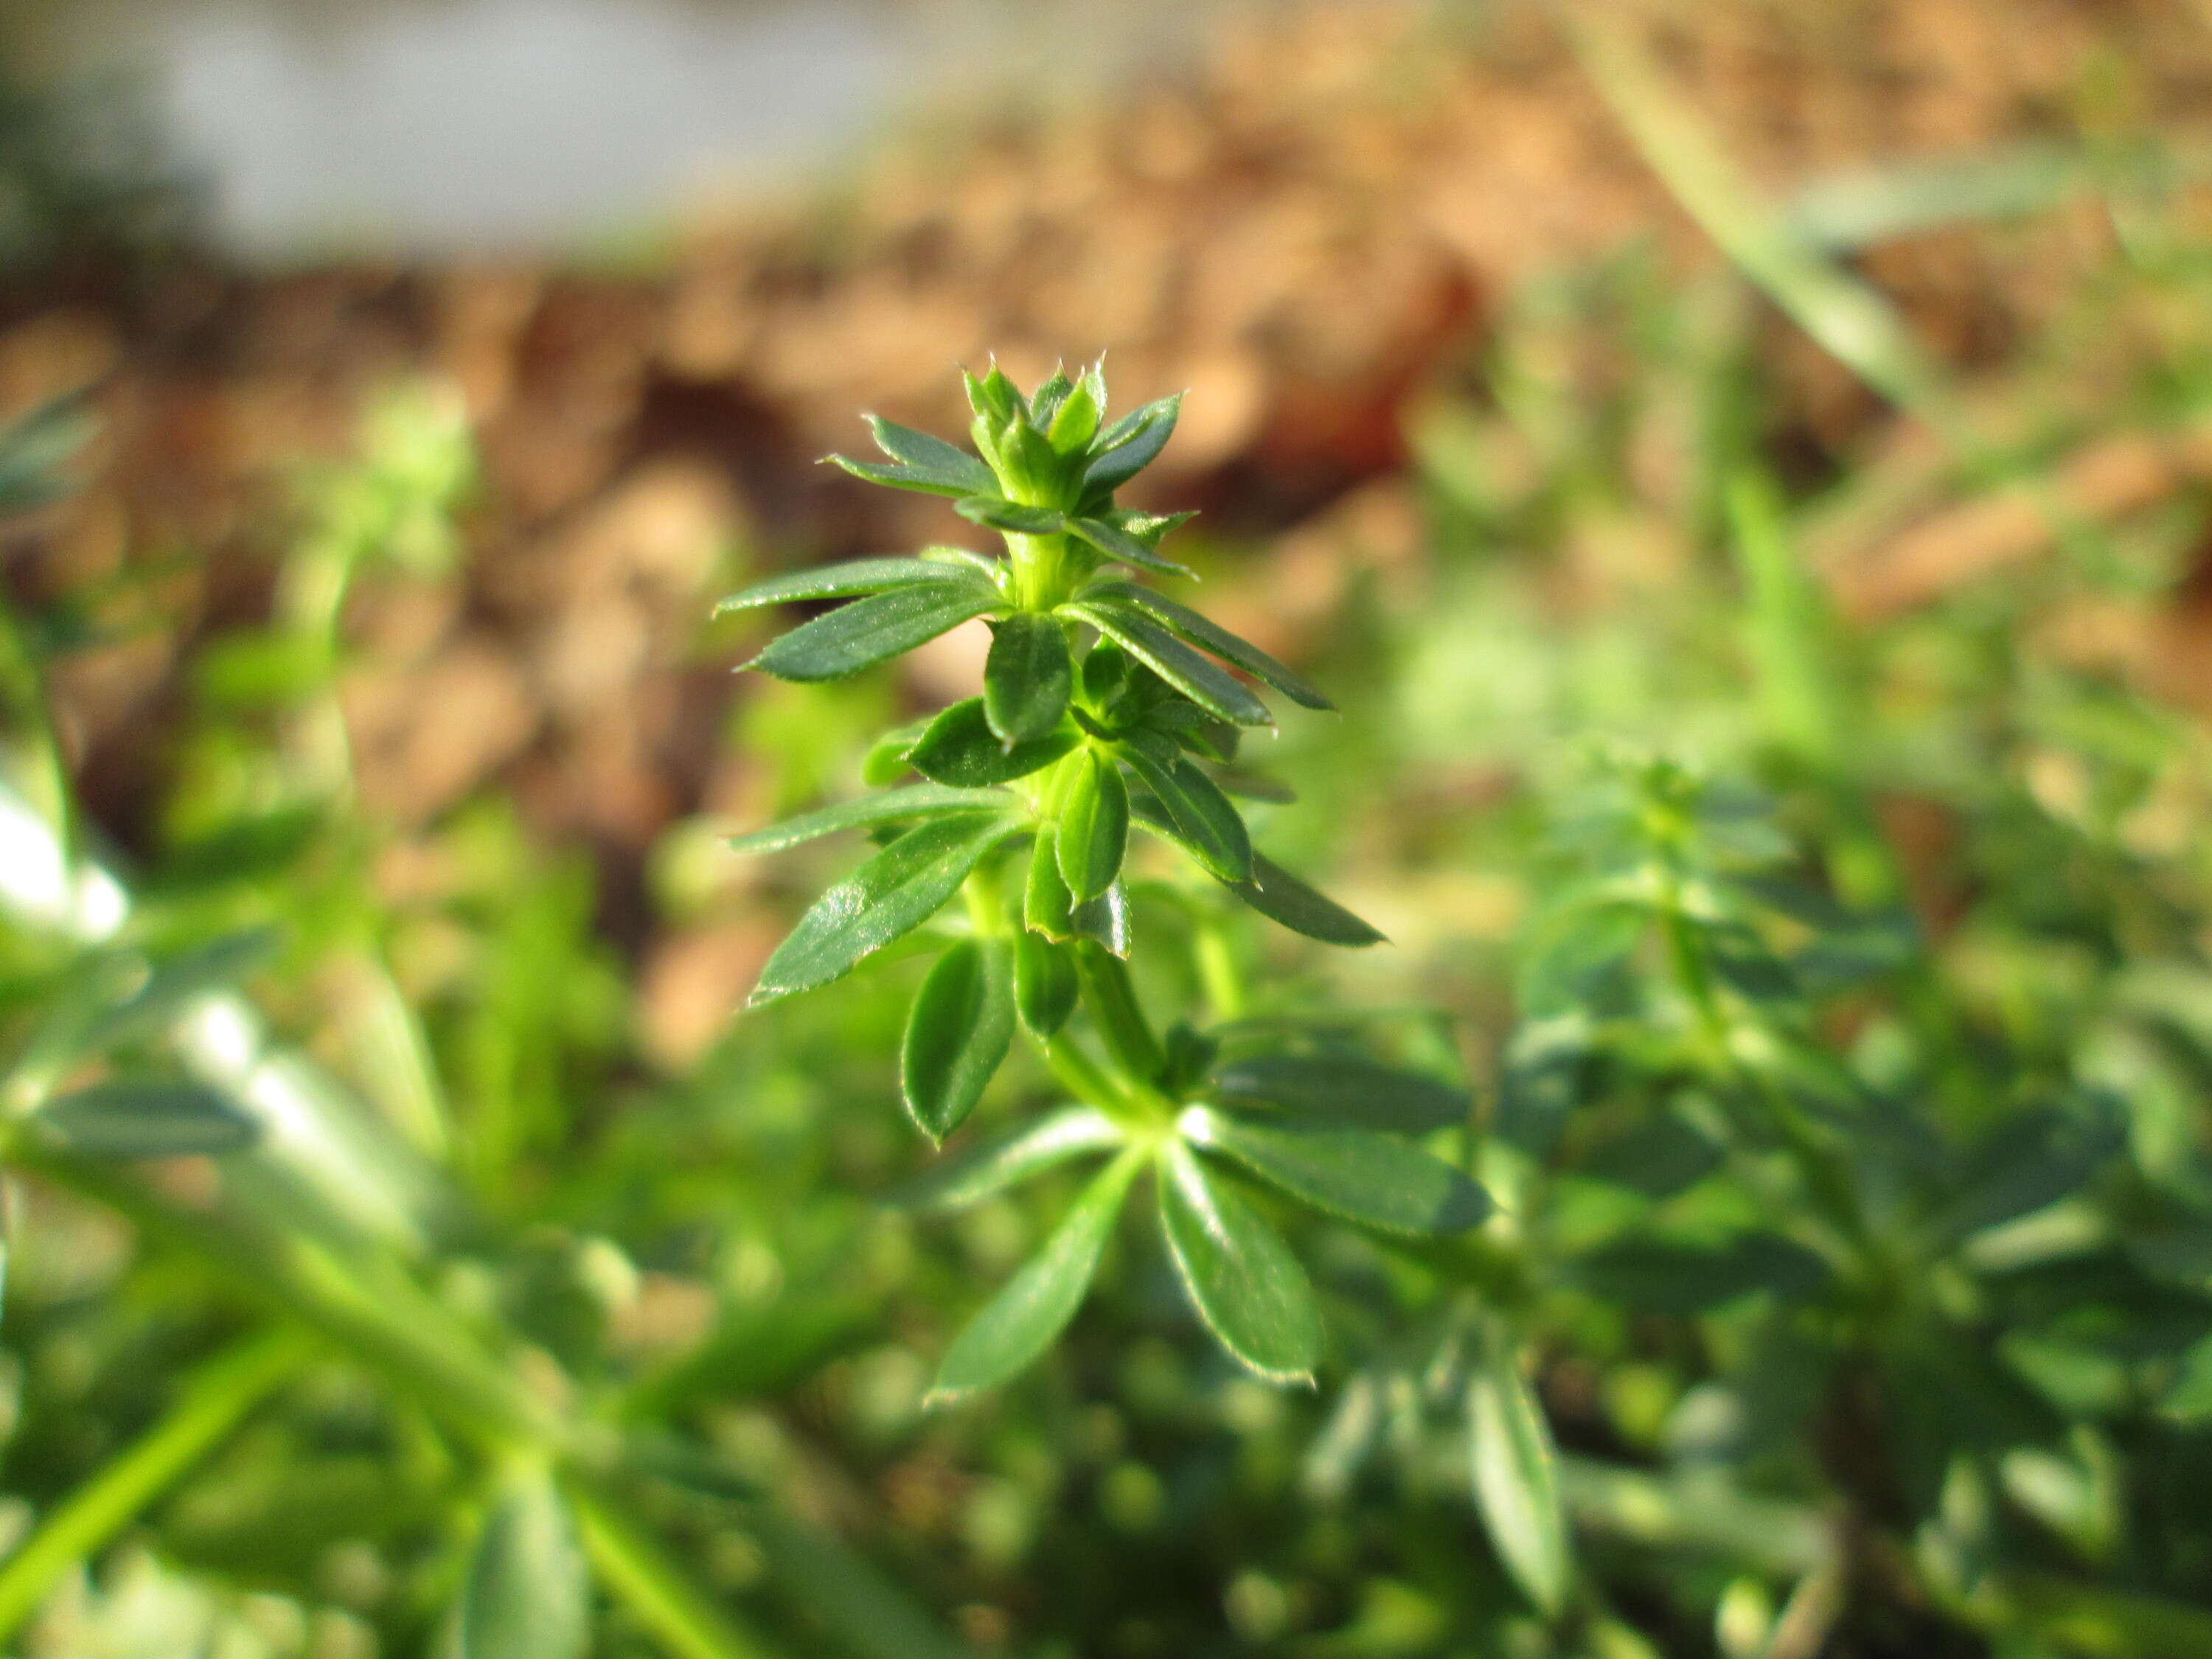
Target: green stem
point(631, 1563)
point(216, 1398)
point(1218, 970)
point(1111, 997)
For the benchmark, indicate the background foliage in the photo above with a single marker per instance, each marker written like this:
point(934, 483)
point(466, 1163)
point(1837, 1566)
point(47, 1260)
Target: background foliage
point(1820, 941)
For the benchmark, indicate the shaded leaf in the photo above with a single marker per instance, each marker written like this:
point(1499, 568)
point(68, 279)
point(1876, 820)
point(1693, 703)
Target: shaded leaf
point(1118, 543)
point(1516, 1482)
point(1094, 826)
point(1243, 1280)
point(1206, 820)
point(913, 801)
point(960, 749)
point(1130, 445)
point(865, 632)
point(1045, 988)
point(129, 1118)
point(1211, 687)
point(1027, 678)
point(1020, 1322)
point(1367, 1178)
point(957, 1033)
point(1344, 1089)
point(174, 983)
point(1189, 625)
point(890, 895)
point(995, 513)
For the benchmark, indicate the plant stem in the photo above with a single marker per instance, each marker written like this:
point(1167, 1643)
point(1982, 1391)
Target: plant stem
point(631, 1563)
point(213, 1402)
point(1111, 998)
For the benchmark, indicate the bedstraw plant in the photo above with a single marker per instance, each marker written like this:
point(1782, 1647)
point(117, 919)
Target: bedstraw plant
point(1109, 715)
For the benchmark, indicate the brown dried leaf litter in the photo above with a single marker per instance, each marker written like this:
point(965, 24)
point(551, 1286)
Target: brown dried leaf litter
point(1307, 233)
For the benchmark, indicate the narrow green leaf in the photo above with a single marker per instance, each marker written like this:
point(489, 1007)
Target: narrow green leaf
point(1094, 826)
point(1071, 1132)
point(1045, 988)
point(892, 893)
point(1211, 688)
point(1277, 894)
point(846, 580)
point(957, 1033)
point(1020, 1322)
point(1119, 544)
point(132, 1118)
point(908, 801)
point(926, 482)
point(865, 632)
point(1367, 1178)
point(1206, 820)
point(1345, 1090)
point(925, 453)
point(1516, 1483)
point(959, 748)
point(527, 1594)
point(1243, 1280)
point(1208, 635)
point(1274, 891)
point(995, 513)
point(1130, 445)
point(1028, 676)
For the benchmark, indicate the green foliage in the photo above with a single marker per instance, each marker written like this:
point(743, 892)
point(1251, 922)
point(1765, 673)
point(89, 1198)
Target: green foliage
point(1096, 707)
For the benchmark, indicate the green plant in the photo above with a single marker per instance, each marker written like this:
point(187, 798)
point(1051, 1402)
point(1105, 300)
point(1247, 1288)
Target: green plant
point(1104, 709)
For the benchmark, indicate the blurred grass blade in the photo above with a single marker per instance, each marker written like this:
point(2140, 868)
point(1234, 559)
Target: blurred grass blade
point(527, 1595)
point(211, 1403)
point(864, 1611)
point(1242, 1278)
point(1020, 1322)
point(637, 1571)
point(1846, 316)
point(1517, 1484)
point(132, 1119)
point(1790, 634)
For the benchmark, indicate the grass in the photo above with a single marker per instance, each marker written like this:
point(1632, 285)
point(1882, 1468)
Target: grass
point(1870, 1318)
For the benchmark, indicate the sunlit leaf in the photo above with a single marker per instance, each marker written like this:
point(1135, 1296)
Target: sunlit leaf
point(846, 580)
point(527, 1595)
point(1094, 826)
point(972, 1177)
point(1211, 687)
point(1516, 1483)
point(1021, 1321)
point(1240, 1276)
point(867, 631)
point(890, 895)
point(957, 1032)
